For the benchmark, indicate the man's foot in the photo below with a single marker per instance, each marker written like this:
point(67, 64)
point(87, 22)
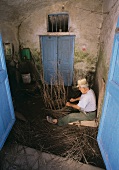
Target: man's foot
point(51, 120)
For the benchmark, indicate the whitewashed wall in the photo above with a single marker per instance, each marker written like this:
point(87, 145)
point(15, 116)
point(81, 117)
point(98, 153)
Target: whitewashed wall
point(28, 22)
point(85, 21)
point(111, 14)
point(9, 34)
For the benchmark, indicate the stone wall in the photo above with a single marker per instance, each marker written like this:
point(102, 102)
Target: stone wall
point(110, 16)
point(85, 19)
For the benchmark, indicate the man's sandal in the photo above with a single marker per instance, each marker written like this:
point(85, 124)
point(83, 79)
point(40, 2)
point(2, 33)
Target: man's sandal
point(50, 120)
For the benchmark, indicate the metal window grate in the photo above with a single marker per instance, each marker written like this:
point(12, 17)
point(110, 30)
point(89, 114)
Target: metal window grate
point(58, 22)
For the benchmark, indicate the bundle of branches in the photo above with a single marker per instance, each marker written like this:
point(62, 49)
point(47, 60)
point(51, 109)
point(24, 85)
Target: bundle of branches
point(55, 94)
point(71, 142)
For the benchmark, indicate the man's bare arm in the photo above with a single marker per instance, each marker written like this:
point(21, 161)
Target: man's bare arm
point(74, 99)
point(75, 106)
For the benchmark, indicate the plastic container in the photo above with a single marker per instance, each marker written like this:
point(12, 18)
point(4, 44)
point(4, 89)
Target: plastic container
point(26, 78)
point(25, 54)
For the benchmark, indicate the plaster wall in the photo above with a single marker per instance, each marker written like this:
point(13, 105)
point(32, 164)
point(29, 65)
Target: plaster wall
point(10, 35)
point(85, 20)
point(111, 13)
point(25, 21)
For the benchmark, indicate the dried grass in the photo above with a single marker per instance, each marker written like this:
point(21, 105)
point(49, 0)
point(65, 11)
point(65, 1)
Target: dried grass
point(71, 142)
point(77, 143)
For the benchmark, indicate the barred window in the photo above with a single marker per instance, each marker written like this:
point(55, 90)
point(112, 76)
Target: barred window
point(58, 22)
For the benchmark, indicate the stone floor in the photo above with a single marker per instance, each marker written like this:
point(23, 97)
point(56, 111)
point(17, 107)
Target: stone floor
point(21, 157)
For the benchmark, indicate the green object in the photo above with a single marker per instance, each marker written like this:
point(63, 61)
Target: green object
point(25, 54)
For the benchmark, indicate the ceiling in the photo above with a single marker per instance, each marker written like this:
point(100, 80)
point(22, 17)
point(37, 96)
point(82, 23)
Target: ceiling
point(17, 10)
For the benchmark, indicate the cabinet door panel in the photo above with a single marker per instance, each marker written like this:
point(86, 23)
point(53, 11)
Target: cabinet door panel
point(57, 58)
point(66, 58)
point(49, 58)
point(108, 134)
point(7, 117)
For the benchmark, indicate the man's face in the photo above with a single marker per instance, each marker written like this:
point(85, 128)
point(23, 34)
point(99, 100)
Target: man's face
point(82, 89)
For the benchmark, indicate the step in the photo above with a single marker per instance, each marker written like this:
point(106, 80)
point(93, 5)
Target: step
point(91, 123)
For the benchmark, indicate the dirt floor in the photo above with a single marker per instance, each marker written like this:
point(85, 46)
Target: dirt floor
point(32, 130)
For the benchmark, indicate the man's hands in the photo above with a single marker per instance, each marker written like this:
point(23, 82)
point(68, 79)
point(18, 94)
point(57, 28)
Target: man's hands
point(72, 100)
point(68, 104)
point(75, 106)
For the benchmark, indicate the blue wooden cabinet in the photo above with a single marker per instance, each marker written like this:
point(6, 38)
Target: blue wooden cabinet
point(58, 58)
point(7, 117)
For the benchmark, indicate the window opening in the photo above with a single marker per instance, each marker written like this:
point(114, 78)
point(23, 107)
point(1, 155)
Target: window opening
point(58, 22)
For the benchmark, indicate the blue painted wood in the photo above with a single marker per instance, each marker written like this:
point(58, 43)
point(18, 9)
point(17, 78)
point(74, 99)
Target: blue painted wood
point(49, 58)
point(108, 134)
point(66, 58)
point(58, 58)
point(7, 117)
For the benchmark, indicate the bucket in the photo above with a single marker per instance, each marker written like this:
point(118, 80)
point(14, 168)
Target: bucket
point(26, 78)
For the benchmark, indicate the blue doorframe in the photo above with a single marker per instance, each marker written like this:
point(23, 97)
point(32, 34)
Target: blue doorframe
point(7, 117)
point(108, 134)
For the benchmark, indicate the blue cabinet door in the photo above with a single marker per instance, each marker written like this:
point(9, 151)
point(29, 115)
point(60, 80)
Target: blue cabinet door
point(108, 135)
point(66, 58)
point(57, 59)
point(49, 58)
point(7, 117)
